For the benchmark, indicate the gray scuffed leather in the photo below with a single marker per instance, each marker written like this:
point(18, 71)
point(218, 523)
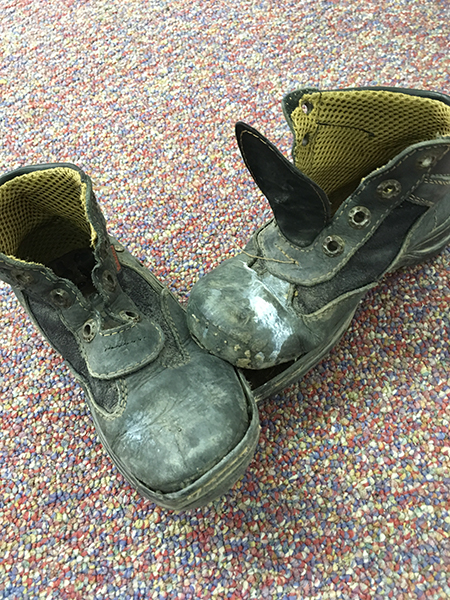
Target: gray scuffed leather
point(168, 433)
point(254, 324)
point(121, 350)
point(245, 318)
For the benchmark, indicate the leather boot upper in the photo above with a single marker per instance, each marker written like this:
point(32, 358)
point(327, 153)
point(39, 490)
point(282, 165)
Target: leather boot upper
point(369, 190)
point(179, 423)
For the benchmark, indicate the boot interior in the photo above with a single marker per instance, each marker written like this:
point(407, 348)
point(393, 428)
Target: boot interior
point(43, 215)
point(342, 136)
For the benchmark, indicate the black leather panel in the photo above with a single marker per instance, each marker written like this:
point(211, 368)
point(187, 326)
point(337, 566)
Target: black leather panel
point(368, 264)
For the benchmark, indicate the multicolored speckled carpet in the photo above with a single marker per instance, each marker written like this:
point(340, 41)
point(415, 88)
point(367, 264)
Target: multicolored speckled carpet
point(348, 495)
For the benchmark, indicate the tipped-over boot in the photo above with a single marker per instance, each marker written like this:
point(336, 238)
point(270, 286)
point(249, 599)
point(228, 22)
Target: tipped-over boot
point(369, 192)
point(180, 424)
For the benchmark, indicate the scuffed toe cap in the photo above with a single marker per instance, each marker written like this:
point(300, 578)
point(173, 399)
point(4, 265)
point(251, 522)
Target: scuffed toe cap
point(182, 425)
point(243, 317)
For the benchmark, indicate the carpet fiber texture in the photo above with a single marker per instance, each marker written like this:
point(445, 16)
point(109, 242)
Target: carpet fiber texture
point(348, 495)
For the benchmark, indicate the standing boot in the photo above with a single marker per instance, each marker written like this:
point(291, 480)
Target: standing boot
point(180, 424)
point(369, 192)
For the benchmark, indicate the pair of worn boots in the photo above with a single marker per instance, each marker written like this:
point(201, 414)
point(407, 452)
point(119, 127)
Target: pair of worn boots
point(172, 393)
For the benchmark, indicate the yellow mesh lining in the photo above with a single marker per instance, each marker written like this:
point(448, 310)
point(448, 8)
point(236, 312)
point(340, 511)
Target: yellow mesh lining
point(43, 215)
point(351, 133)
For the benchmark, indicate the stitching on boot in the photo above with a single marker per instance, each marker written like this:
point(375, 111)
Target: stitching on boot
point(437, 180)
point(331, 307)
point(130, 326)
point(292, 261)
point(404, 249)
point(283, 262)
point(125, 371)
point(421, 201)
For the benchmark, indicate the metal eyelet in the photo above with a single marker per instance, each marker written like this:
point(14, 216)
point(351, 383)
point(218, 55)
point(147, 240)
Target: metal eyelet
point(61, 298)
point(389, 189)
point(359, 217)
point(307, 107)
point(23, 278)
point(426, 160)
point(333, 245)
point(130, 315)
point(89, 330)
point(108, 281)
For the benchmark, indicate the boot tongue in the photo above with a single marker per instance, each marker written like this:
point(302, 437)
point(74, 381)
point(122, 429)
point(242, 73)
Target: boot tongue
point(300, 207)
